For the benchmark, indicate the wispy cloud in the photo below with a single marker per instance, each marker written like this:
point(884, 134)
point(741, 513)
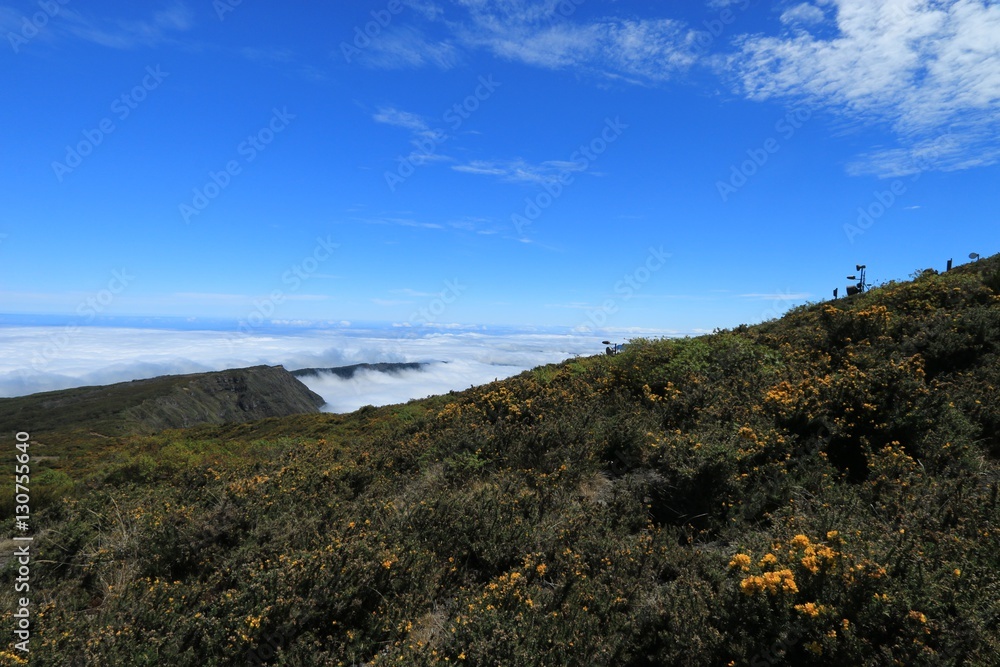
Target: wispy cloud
point(407, 47)
point(646, 50)
point(425, 139)
point(540, 33)
point(518, 170)
point(778, 296)
point(283, 60)
point(402, 222)
point(398, 118)
point(804, 13)
point(925, 69)
point(162, 26)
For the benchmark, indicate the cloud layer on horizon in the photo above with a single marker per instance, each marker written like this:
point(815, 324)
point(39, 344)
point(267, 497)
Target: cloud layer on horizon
point(36, 359)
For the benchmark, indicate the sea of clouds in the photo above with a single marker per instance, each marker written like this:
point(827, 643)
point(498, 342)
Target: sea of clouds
point(44, 358)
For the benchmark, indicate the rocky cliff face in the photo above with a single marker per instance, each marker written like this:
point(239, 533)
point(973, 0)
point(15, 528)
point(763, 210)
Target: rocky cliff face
point(171, 401)
point(235, 396)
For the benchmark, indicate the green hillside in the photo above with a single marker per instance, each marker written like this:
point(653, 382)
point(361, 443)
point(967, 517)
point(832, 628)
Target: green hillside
point(170, 401)
point(822, 489)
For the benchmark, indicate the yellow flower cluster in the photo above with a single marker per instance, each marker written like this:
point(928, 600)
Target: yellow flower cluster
point(741, 561)
point(670, 393)
point(768, 559)
point(813, 556)
point(810, 609)
point(782, 394)
point(781, 581)
point(798, 551)
point(800, 541)
point(450, 411)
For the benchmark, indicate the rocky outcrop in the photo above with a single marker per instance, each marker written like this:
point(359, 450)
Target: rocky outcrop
point(235, 396)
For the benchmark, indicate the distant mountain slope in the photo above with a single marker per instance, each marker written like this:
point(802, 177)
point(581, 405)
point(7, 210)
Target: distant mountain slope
point(347, 372)
point(171, 401)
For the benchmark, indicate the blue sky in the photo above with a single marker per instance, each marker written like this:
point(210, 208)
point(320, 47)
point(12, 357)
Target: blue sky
point(633, 164)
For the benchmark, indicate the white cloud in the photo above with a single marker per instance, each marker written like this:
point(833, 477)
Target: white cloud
point(406, 47)
point(511, 11)
point(428, 9)
point(34, 359)
point(129, 34)
point(426, 141)
point(925, 68)
point(369, 387)
point(520, 171)
point(948, 152)
point(69, 23)
point(402, 222)
point(639, 50)
point(541, 33)
point(404, 119)
point(803, 13)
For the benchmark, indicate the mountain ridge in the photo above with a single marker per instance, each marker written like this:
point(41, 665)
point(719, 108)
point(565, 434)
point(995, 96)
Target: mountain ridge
point(165, 402)
point(348, 372)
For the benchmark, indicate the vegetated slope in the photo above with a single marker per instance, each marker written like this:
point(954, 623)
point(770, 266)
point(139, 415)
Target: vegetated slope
point(823, 489)
point(170, 401)
point(348, 372)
